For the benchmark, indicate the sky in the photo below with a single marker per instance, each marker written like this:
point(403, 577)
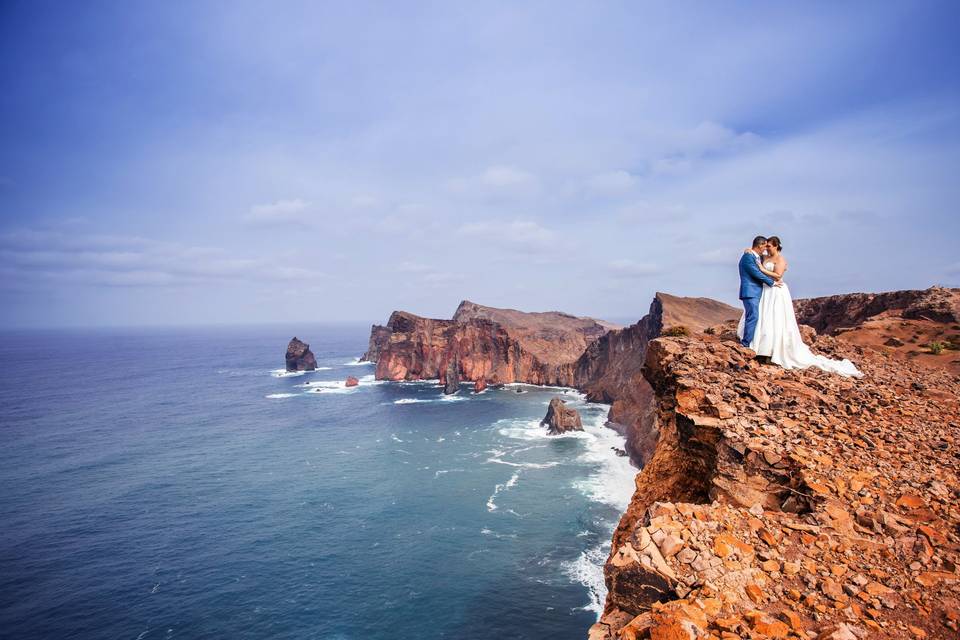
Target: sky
point(184, 163)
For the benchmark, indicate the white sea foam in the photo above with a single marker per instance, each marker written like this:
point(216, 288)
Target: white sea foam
point(612, 479)
point(280, 395)
point(357, 362)
point(283, 373)
point(339, 386)
point(530, 429)
point(491, 505)
point(330, 386)
point(394, 437)
point(412, 400)
point(587, 569)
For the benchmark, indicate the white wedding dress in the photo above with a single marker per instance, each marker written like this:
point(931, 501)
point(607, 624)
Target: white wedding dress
point(778, 335)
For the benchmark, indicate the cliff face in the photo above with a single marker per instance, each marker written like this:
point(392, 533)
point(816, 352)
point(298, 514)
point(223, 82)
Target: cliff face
point(609, 370)
point(790, 503)
point(495, 346)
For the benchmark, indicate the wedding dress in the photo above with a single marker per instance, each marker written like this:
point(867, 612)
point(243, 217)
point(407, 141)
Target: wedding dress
point(778, 335)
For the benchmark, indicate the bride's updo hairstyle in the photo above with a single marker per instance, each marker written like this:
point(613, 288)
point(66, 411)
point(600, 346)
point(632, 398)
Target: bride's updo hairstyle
point(775, 241)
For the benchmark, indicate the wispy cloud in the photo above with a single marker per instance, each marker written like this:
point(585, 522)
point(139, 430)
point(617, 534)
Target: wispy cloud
point(281, 212)
point(496, 181)
point(51, 258)
point(513, 234)
point(626, 268)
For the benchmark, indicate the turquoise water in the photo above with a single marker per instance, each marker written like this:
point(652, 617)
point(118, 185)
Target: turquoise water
point(162, 484)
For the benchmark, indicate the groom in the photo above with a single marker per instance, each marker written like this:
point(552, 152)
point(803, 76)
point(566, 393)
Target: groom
point(751, 286)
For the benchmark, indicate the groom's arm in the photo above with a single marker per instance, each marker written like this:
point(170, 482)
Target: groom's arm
point(754, 270)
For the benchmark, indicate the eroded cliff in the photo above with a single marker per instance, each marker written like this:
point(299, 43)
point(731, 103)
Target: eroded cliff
point(495, 346)
point(790, 503)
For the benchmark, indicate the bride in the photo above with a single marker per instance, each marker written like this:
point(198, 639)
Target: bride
point(777, 334)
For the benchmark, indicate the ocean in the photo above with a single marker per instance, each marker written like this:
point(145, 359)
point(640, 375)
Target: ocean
point(176, 483)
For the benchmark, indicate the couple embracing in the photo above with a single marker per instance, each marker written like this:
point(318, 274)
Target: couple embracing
point(769, 325)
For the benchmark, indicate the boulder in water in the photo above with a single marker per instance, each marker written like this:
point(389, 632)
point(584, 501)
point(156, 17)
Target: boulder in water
point(352, 382)
point(299, 357)
point(560, 418)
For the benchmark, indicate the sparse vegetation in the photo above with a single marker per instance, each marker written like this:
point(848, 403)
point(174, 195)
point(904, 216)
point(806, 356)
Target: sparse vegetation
point(936, 348)
point(678, 331)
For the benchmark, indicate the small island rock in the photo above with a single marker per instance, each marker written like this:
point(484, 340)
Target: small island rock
point(299, 356)
point(352, 382)
point(560, 418)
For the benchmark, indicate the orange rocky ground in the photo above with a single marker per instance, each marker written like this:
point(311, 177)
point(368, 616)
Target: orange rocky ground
point(791, 504)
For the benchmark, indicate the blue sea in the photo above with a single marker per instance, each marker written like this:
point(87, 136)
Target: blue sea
point(178, 484)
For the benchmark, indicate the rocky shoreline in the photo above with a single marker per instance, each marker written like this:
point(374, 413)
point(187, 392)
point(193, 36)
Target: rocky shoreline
point(771, 503)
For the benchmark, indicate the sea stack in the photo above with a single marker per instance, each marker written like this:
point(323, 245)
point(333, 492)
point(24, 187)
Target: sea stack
point(299, 356)
point(560, 418)
point(451, 378)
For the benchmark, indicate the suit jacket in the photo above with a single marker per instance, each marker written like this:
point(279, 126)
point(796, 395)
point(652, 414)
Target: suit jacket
point(751, 278)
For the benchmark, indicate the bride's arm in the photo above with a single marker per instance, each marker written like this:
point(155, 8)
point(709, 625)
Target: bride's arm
point(773, 274)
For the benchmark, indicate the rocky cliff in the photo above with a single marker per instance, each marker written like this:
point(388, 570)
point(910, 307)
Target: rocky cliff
point(496, 346)
point(790, 503)
point(609, 370)
point(492, 346)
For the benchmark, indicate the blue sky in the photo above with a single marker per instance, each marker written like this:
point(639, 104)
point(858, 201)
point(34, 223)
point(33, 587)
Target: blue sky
point(211, 162)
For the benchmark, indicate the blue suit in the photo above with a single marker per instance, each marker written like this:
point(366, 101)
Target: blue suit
point(751, 286)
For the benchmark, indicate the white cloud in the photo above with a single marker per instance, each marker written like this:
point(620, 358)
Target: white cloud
point(719, 256)
point(525, 234)
point(611, 183)
point(626, 268)
point(55, 259)
point(296, 211)
point(496, 181)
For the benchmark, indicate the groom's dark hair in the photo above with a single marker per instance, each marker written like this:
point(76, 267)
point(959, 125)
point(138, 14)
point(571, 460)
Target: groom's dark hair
point(759, 240)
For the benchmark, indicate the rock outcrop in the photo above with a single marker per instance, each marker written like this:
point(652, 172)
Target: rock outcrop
point(790, 503)
point(833, 313)
point(919, 326)
point(299, 357)
point(560, 418)
point(451, 377)
point(351, 381)
point(494, 345)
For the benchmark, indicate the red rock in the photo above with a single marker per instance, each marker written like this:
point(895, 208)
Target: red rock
point(299, 357)
point(352, 382)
